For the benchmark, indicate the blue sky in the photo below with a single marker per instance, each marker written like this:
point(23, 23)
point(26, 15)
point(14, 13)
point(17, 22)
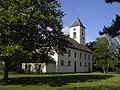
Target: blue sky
point(94, 14)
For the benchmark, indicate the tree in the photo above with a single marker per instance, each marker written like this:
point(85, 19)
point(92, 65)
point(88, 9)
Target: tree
point(114, 29)
point(34, 25)
point(112, 32)
point(102, 54)
point(111, 1)
point(90, 45)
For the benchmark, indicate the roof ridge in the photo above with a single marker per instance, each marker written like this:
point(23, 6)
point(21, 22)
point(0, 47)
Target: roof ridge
point(77, 45)
point(77, 22)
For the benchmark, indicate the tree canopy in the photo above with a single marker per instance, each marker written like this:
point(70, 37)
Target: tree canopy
point(90, 45)
point(111, 1)
point(114, 29)
point(33, 25)
point(102, 53)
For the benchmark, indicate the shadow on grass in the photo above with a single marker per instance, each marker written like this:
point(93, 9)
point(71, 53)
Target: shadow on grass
point(92, 88)
point(55, 80)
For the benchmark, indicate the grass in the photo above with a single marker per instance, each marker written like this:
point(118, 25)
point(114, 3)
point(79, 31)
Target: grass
point(79, 81)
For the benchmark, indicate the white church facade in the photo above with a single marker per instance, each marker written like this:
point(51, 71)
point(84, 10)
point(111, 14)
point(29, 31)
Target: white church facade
point(78, 58)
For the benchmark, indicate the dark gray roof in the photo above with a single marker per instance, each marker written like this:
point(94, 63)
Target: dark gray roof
point(75, 45)
point(77, 22)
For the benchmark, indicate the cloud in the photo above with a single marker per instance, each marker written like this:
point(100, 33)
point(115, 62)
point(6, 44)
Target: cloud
point(66, 30)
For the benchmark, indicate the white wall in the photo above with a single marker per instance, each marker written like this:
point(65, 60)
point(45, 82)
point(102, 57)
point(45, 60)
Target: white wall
point(55, 57)
point(66, 58)
point(33, 67)
point(79, 37)
point(79, 68)
point(77, 33)
point(51, 68)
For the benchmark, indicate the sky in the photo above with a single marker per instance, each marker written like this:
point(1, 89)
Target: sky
point(94, 14)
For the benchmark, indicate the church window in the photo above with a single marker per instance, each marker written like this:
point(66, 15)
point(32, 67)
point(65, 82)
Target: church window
point(62, 62)
point(89, 56)
point(26, 66)
point(80, 55)
point(82, 33)
point(69, 63)
point(29, 68)
point(74, 35)
point(85, 56)
point(75, 54)
point(62, 54)
point(82, 29)
point(80, 64)
point(39, 67)
point(69, 53)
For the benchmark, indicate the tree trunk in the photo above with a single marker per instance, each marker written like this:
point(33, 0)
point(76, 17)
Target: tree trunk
point(107, 67)
point(6, 69)
point(103, 67)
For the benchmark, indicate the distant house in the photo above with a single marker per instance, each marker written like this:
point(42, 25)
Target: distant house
point(78, 58)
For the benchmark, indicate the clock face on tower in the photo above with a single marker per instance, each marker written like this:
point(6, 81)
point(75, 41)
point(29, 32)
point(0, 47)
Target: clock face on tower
point(74, 29)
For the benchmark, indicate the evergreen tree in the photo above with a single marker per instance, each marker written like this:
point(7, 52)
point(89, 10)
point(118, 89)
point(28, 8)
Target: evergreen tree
point(111, 1)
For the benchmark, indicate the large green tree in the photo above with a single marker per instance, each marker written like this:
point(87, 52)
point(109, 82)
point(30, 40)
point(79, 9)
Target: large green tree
point(102, 54)
point(33, 25)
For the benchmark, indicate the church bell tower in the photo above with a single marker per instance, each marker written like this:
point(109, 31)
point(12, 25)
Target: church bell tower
point(77, 31)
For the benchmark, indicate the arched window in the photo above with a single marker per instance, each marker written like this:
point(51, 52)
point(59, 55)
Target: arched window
point(75, 54)
point(29, 68)
point(80, 55)
point(39, 67)
point(69, 53)
point(74, 34)
point(85, 57)
point(62, 62)
point(62, 54)
point(25, 66)
point(69, 63)
point(82, 33)
point(89, 56)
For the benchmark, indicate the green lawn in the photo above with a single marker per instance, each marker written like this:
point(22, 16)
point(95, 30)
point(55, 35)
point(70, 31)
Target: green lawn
point(83, 81)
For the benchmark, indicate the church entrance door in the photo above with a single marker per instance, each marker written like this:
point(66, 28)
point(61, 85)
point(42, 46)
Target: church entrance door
point(75, 66)
point(89, 67)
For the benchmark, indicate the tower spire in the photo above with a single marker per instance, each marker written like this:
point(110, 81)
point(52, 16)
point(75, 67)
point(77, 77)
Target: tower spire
point(77, 31)
point(77, 22)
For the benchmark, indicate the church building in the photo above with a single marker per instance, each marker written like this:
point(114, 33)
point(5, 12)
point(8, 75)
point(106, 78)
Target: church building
point(78, 58)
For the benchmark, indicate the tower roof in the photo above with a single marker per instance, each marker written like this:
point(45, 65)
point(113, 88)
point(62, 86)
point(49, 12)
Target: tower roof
point(77, 22)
